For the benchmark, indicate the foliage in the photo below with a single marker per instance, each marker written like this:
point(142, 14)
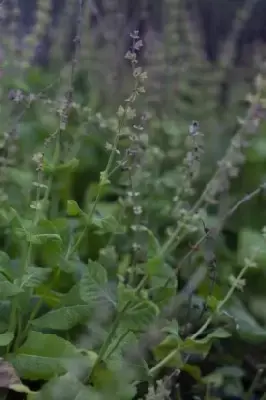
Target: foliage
point(102, 292)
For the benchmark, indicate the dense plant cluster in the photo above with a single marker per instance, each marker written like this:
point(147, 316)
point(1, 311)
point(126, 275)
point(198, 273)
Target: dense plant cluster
point(118, 278)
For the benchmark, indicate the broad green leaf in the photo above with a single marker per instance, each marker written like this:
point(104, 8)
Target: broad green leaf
point(63, 318)
point(139, 315)
point(107, 379)
point(43, 356)
point(246, 326)
point(35, 276)
point(8, 289)
point(72, 297)
point(93, 284)
point(107, 224)
point(6, 338)
point(155, 266)
point(66, 387)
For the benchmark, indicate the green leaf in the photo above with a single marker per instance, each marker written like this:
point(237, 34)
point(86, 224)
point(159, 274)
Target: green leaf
point(63, 318)
point(246, 326)
point(218, 333)
point(72, 297)
point(108, 224)
point(8, 289)
point(66, 387)
point(169, 344)
point(6, 338)
point(35, 276)
point(73, 208)
point(196, 347)
point(5, 267)
point(163, 280)
point(139, 315)
point(203, 346)
point(43, 356)
point(251, 245)
point(69, 166)
point(193, 370)
point(155, 266)
point(93, 284)
point(172, 329)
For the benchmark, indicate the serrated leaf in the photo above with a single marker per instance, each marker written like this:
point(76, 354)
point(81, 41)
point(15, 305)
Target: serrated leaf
point(93, 284)
point(63, 318)
point(43, 356)
point(35, 277)
point(139, 315)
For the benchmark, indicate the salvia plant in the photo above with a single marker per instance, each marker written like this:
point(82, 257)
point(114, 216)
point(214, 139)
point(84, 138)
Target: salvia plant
point(116, 299)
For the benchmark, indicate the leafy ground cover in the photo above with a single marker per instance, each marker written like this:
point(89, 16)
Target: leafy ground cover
point(130, 265)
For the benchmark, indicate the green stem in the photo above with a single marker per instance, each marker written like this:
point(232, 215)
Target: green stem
point(174, 352)
point(106, 172)
point(107, 342)
point(169, 243)
point(113, 330)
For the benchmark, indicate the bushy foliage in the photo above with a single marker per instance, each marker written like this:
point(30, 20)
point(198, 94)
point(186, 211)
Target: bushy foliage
point(116, 277)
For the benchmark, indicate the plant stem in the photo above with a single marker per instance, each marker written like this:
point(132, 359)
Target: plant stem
point(106, 172)
point(113, 330)
point(169, 243)
point(107, 342)
point(174, 352)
